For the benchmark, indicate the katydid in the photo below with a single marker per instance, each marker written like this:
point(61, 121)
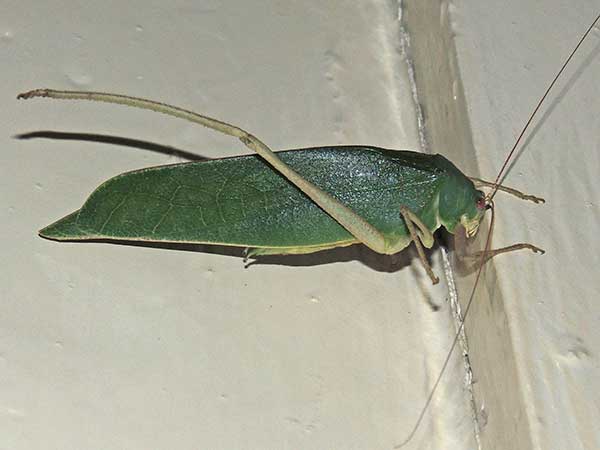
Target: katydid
point(290, 202)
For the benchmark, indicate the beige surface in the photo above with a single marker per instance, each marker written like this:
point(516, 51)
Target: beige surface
point(507, 53)
point(106, 347)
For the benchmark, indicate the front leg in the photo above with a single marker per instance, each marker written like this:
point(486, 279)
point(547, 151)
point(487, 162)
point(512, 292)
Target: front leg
point(411, 219)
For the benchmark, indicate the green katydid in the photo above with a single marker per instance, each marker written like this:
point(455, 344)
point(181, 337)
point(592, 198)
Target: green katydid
point(291, 202)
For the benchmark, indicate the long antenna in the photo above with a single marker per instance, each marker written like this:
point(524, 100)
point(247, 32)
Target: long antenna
point(539, 104)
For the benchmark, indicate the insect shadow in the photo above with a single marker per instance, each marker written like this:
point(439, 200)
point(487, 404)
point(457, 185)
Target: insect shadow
point(112, 140)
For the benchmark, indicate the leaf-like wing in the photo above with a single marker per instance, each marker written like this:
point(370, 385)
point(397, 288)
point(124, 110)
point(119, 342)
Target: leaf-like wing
point(241, 201)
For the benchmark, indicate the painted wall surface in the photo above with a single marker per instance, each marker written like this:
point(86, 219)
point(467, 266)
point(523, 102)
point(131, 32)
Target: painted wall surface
point(111, 347)
point(507, 53)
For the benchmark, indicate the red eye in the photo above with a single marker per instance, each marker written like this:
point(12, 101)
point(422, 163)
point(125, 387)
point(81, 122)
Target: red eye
point(481, 204)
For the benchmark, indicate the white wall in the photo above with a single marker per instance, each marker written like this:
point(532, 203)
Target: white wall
point(105, 346)
point(507, 54)
point(533, 339)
